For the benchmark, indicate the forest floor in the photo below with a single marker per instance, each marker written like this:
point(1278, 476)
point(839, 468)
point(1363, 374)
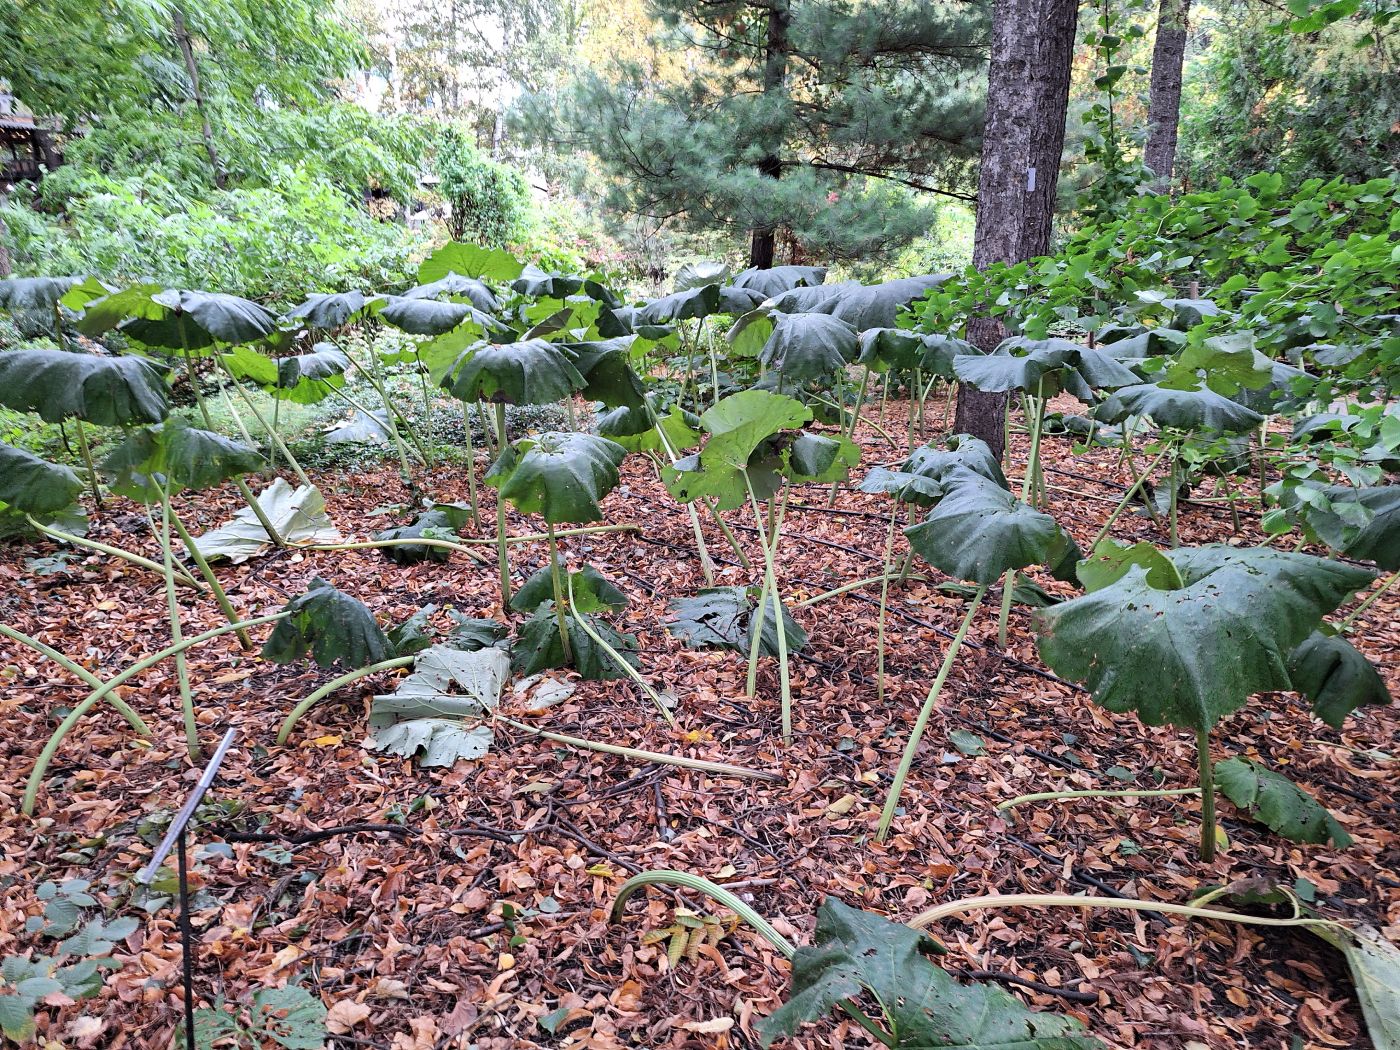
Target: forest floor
point(403, 934)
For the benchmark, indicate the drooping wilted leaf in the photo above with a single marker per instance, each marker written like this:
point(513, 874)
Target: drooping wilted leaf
point(538, 646)
point(1192, 655)
point(884, 348)
point(1329, 671)
point(34, 293)
point(298, 515)
point(903, 486)
point(108, 391)
point(978, 531)
point(1375, 971)
point(328, 312)
point(445, 683)
point(679, 306)
point(415, 633)
point(820, 459)
point(592, 591)
point(431, 524)
point(537, 283)
point(33, 485)
point(1201, 409)
point(723, 617)
point(332, 626)
point(875, 305)
point(960, 451)
point(434, 741)
point(423, 316)
point(459, 287)
point(561, 476)
point(532, 372)
point(174, 456)
point(470, 634)
point(807, 347)
point(1278, 803)
point(854, 952)
point(196, 320)
point(606, 368)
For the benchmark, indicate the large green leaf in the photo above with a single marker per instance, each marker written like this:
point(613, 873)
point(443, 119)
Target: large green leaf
point(819, 459)
point(298, 515)
point(777, 279)
point(723, 617)
point(1191, 655)
point(494, 264)
point(1201, 409)
point(536, 282)
point(538, 646)
point(1329, 671)
point(1278, 803)
point(607, 371)
point(591, 592)
point(960, 451)
point(459, 287)
point(533, 372)
point(737, 426)
point(854, 952)
point(679, 306)
point(438, 523)
point(332, 626)
point(1377, 540)
point(34, 293)
point(884, 348)
point(108, 391)
point(979, 530)
point(698, 273)
point(423, 316)
point(328, 312)
point(34, 485)
point(1045, 365)
point(876, 305)
point(807, 347)
point(204, 318)
point(174, 456)
point(304, 379)
point(561, 476)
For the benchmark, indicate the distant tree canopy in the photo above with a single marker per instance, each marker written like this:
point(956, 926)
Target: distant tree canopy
point(832, 122)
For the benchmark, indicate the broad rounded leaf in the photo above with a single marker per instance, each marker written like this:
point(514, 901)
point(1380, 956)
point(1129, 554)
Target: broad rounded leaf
point(1378, 540)
point(535, 282)
point(172, 456)
point(108, 391)
point(538, 646)
point(591, 591)
point(34, 485)
point(332, 626)
point(433, 524)
point(961, 451)
point(1201, 409)
point(819, 459)
point(885, 348)
point(737, 425)
point(422, 316)
point(494, 264)
point(699, 273)
point(878, 305)
point(329, 311)
point(533, 372)
point(1192, 655)
point(205, 318)
point(562, 476)
point(606, 368)
point(1278, 803)
point(679, 306)
point(806, 347)
point(979, 531)
point(778, 279)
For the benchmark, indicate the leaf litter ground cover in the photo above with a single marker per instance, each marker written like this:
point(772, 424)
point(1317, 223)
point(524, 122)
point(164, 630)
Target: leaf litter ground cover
point(479, 916)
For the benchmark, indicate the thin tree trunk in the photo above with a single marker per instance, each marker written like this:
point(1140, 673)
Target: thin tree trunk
point(764, 240)
point(1027, 96)
point(182, 37)
point(1164, 99)
point(5, 268)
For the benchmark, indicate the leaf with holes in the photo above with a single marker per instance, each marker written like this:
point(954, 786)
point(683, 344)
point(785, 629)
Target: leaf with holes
point(722, 618)
point(332, 626)
point(1278, 803)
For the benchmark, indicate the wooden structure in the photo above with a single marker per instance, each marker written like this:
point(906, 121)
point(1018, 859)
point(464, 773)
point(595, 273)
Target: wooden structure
point(27, 149)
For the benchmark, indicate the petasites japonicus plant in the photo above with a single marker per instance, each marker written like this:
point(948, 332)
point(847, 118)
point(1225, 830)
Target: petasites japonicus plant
point(855, 954)
point(1186, 637)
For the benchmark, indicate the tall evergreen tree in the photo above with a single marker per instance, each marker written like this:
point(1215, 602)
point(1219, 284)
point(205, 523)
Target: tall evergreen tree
point(834, 122)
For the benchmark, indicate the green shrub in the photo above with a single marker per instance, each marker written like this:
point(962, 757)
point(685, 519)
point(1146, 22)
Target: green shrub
point(489, 202)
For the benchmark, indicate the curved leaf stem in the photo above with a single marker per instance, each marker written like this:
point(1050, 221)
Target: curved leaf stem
point(1051, 796)
point(721, 768)
point(502, 560)
point(316, 696)
point(181, 576)
point(719, 894)
point(78, 670)
point(559, 616)
point(220, 595)
point(172, 609)
point(1048, 900)
point(906, 761)
point(627, 668)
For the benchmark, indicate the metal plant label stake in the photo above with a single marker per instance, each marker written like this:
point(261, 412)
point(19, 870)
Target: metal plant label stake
point(175, 837)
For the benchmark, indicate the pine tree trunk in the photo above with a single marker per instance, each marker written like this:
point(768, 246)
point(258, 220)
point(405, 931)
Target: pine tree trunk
point(1027, 96)
point(1164, 99)
point(764, 238)
point(182, 37)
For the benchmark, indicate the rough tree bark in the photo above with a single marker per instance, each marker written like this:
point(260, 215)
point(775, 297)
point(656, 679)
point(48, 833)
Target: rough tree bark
point(182, 38)
point(764, 238)
point(1027, 97)
point(5, 268)
point(1164, 97)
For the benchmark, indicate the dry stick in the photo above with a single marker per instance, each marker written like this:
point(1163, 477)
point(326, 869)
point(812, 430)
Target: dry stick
point(181, 576)
point(220, 595)
point(722, 768)
point(907, 760)
point(73, 667)
point(1050, 796)
point(41, 765)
